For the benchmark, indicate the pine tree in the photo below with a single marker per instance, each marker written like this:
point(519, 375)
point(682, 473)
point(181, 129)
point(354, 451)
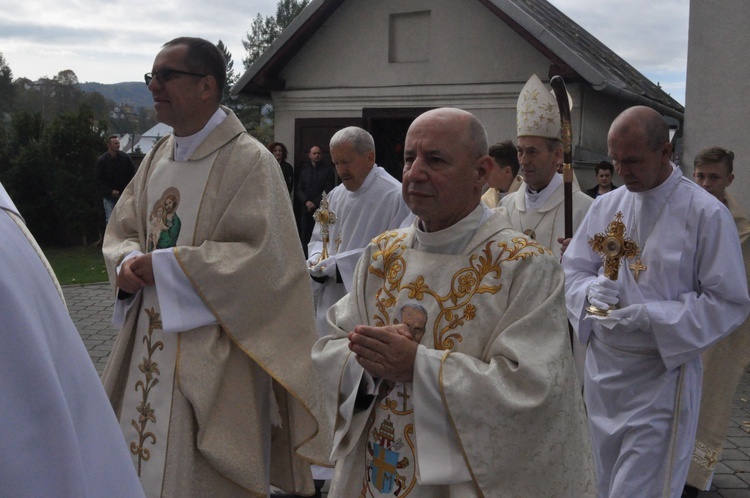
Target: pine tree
point(258, 118)
point(264, 31)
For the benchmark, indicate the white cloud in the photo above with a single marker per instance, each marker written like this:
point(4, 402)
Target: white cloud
point(114, 41)
point(652, 36)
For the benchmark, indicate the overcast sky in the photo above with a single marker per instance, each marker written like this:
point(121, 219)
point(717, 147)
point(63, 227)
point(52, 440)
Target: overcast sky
point(111, 41)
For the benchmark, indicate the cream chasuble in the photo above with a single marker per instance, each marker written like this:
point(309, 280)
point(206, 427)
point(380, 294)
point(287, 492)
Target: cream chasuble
point(494, 403)
point(174, 194)
point(204, 399)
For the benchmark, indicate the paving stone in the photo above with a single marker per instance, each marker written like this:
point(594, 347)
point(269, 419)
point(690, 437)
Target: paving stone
point(738, 465)
point(732, 493)
point(732, 455)
point(729, 481)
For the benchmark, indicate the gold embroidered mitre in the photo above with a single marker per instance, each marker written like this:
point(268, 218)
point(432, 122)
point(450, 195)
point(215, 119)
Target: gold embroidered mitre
point(537, 114)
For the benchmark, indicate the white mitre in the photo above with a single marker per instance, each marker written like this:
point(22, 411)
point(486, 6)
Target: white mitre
point(537, 114)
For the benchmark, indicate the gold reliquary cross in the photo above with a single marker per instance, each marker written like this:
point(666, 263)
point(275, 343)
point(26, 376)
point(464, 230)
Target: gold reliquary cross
point(613, 247)
point(325, 218)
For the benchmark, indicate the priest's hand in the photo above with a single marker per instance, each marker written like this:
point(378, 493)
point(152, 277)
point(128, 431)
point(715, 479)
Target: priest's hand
point(385, 352)
point(564, 243)
point(143, 268)
point(603, 293)
point(127, 280)
point(627, 319)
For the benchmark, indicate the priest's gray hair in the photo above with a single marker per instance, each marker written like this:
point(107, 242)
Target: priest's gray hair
point(361, 141)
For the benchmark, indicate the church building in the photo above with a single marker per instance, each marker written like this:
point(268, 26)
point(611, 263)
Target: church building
point(380, 64)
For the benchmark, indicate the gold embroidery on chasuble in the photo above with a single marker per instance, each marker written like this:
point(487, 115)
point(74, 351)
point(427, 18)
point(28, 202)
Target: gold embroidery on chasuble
point(705, 456)
point(390, 452)
point(150, 370)
point(172, 199)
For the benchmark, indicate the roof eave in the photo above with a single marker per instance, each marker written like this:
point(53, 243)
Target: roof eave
point(261, 78)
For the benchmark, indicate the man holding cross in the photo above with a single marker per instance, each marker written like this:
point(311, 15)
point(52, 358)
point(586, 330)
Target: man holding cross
point(682, 291)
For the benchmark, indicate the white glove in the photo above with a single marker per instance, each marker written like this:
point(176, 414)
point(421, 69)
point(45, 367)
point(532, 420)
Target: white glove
point(326, 268)
point(627, 319)
point(313, 260)
point(603, 293)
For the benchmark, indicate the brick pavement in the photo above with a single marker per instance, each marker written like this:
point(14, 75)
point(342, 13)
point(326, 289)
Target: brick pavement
point(90, 306)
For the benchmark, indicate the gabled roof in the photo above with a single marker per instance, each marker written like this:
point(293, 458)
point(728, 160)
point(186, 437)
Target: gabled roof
point(577, 55)
point(150, 137)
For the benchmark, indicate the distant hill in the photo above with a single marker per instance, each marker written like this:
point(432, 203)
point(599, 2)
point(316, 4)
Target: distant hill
point(134, 93)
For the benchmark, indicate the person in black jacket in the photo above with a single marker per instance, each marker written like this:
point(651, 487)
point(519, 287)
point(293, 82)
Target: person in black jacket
point(114, 170)
point(604, 171)
point(314, 179)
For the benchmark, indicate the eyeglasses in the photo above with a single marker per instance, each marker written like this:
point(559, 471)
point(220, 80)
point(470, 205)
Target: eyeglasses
point(166, 74)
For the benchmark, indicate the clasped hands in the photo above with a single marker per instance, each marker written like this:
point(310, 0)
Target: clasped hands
point(385, 352)
point(135, 274)
point(604, 294)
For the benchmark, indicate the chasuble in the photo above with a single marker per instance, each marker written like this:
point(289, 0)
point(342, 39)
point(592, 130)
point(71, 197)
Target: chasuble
point(494, 408)
point(217, 406)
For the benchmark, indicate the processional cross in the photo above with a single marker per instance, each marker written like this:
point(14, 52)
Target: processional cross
point(325, 218)
point(613, 247)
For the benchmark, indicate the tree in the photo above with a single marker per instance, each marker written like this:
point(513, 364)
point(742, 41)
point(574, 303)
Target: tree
point(287, 10)
point(7, 90)
point(264, 31)
point(231, 77)
point(258, 118)
point(48, 169)
point(67, 95)
point(73, 142)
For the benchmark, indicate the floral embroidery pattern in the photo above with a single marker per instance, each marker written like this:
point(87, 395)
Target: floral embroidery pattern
point(455, 307)
point(150, 370)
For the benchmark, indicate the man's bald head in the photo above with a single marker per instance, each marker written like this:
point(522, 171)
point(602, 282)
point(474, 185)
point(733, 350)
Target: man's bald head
point(648, 121)
point(445, 166)
point(638, 143)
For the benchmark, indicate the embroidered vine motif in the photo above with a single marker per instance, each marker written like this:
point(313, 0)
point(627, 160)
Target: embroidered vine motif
point(150, 370)
point(455, 306)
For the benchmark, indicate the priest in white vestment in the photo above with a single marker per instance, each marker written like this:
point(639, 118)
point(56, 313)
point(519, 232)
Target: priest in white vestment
point(537, 207)
point(684, 290)
point(725, 362)
point(366, 203)
point(447, 368)
point(59, 436)
point(210, 375)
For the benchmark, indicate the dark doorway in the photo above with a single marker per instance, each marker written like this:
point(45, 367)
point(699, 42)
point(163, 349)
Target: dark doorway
point(388, 128)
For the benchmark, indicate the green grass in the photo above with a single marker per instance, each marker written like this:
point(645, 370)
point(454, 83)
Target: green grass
point(77, 265)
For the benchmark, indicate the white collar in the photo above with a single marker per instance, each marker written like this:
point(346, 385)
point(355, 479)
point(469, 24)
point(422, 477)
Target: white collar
point(185, 146)
point(451, 240)
point(535, 200)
